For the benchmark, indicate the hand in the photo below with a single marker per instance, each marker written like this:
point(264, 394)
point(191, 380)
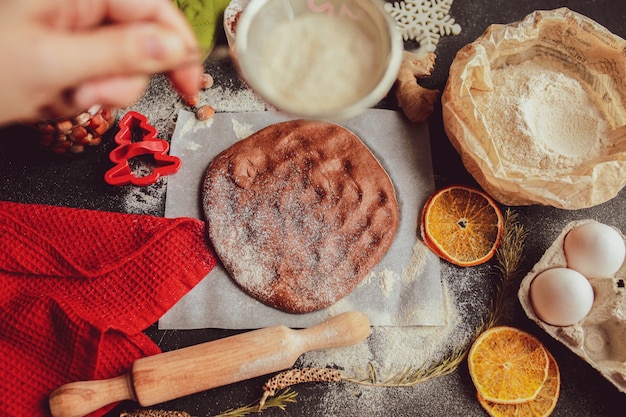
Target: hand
point(59, 57)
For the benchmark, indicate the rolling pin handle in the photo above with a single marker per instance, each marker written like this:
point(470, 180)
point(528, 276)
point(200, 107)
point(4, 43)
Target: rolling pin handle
point(80, 398)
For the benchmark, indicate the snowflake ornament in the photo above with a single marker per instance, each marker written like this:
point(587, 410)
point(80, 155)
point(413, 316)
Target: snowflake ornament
point(424, 21)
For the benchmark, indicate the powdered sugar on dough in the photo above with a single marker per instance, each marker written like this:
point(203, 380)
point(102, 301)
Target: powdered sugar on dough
point(299, 213)
point(424, 21)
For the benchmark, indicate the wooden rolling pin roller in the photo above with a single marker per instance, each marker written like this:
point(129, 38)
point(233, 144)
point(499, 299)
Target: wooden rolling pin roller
point(174, 374)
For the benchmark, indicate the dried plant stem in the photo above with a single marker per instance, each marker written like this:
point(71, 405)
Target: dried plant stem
point(280, 401)
point(509, 256)
point(155, 413)
point(295, 376)
point(410, 376)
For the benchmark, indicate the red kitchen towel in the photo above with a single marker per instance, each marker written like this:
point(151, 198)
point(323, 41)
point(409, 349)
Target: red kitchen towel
point(78, 287)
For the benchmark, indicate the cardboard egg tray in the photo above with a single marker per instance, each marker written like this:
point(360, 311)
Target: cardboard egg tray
point(600, 337)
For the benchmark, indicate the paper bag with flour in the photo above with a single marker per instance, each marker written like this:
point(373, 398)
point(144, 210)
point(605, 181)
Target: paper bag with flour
point(537, 111)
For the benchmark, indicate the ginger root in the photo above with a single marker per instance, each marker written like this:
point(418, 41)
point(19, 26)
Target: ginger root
point(416, 102)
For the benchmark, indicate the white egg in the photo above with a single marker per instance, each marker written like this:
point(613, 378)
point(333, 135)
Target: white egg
point(561, 296)
point(594, 249)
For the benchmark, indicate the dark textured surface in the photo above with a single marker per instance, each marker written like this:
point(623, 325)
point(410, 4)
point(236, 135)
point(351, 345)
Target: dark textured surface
point(29, 175)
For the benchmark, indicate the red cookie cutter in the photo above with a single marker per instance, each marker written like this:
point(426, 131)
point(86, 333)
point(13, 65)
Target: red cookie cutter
point(121, 173)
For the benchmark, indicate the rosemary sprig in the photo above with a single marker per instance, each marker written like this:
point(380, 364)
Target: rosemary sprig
point(279, 401)
point(410, 376)
point(509, 256)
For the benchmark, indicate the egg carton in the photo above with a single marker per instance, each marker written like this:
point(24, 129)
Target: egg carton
point(600, 337)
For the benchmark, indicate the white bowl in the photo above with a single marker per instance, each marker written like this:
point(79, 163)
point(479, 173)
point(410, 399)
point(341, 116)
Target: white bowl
point(287, 60)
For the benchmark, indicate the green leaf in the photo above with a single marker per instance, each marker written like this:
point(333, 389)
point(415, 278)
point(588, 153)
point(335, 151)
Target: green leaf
point(205, 17)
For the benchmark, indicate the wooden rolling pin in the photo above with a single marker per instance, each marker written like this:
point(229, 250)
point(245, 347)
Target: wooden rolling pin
point(163, 377)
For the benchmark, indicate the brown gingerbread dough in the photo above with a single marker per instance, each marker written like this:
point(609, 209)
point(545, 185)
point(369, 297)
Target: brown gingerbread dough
point(299, 213)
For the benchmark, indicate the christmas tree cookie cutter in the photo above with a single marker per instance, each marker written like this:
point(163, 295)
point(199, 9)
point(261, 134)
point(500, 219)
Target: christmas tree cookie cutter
point(136, 138)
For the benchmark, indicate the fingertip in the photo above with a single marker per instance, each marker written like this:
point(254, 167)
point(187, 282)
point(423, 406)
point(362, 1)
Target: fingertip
point(187, 80)
point(137, 50)
point(114, 91)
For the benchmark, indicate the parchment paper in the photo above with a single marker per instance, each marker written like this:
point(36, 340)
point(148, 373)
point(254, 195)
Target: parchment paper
point(404, 289)
point(586, 50)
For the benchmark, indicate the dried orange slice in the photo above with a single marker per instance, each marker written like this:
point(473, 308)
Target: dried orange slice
point(507, 365)
point(462, 225)
point(541, 406)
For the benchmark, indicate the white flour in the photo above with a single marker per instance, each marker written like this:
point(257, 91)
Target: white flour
point(317, 63)
point(392, 350)
point(542, 120)
point(388, 279)
point(148, 199)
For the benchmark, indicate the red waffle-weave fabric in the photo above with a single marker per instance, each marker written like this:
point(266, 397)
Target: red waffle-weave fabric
point(78, 287)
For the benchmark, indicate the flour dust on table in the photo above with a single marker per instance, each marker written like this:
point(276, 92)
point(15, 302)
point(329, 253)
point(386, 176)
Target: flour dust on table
point(392, 350)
